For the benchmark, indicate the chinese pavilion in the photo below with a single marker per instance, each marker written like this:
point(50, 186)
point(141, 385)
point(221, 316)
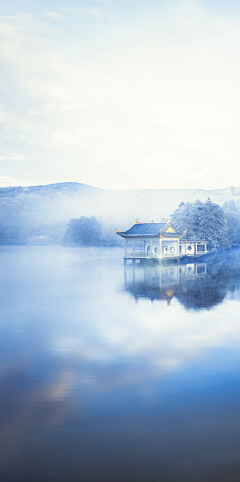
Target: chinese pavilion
point(159, 240)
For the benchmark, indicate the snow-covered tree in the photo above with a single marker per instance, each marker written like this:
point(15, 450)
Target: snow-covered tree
point(82, 231)
point(205, 221)
point(233, 220)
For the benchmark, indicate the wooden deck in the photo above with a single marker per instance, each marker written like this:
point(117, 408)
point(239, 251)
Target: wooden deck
point(139, 256)
point(152, 256)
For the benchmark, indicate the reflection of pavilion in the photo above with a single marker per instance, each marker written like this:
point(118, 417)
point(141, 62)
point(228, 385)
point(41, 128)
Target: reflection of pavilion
point(160, 282)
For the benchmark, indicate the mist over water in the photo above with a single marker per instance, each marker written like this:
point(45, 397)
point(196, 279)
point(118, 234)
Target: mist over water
point(113, 372)
point(41, 214)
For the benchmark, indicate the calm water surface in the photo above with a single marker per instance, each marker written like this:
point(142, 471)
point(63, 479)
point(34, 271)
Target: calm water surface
point(114, 373)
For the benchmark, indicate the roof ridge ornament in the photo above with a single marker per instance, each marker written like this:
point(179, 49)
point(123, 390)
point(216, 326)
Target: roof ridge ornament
point(169, 220)
point(136, 221)
point(117, 230)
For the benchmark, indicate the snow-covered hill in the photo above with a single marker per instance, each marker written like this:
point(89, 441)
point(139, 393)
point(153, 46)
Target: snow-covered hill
point(46, 210)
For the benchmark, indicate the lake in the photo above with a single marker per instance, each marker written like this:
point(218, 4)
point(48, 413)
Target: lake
point(113, 372)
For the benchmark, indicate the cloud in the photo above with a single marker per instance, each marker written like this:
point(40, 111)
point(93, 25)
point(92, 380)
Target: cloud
point(95, 12)
point(55, 15)
point(150, 101)
point(14, 181)
point(15, 157)
point(167, 340)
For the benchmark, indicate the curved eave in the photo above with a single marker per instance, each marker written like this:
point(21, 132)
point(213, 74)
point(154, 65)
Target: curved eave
point(126, 235)
point(160, 233)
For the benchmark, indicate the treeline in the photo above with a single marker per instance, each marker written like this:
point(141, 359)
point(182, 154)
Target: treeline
point(83, 231)
point(207, 221)
point(88, 231)
point(40, 234)
point(32, 220)
point(232, 212)
point(204, 221)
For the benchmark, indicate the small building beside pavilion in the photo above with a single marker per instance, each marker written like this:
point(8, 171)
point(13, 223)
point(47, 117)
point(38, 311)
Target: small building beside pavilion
point(160, 241)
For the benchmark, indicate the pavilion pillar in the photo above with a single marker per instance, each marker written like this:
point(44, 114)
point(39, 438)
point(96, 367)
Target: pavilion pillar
point(151, 249)
point(145, 247)
point(125, 247)
point(133, 247)
point(125, 272)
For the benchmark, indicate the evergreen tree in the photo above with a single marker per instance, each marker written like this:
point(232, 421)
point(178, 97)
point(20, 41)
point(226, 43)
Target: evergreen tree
point(231, 206)
point(233, 219)
point(232, 212)
point(204, 221)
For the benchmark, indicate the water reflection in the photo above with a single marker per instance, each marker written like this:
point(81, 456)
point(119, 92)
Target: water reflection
point(196, 285)
point(143, 280)
point(95, 387)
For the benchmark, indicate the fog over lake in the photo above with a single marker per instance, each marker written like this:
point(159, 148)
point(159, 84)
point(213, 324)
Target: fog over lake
point(113, 372)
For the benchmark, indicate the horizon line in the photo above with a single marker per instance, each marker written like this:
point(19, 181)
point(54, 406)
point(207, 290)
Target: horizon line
point(127, 189)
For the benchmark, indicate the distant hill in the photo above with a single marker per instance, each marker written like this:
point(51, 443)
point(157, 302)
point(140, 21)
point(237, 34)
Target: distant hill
point(46, 210)
point(49, 189)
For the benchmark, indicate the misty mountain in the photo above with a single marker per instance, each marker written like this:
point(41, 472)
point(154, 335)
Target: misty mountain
point(31, 211)
point(47, 190)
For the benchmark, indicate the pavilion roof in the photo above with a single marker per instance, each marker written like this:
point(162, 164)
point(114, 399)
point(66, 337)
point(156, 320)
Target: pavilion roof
point(150, 229)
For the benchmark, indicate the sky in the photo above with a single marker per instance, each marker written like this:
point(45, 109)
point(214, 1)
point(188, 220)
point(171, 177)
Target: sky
point(120, 94)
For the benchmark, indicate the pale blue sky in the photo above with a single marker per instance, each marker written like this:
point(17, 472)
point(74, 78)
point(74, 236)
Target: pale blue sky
point(120, 94)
